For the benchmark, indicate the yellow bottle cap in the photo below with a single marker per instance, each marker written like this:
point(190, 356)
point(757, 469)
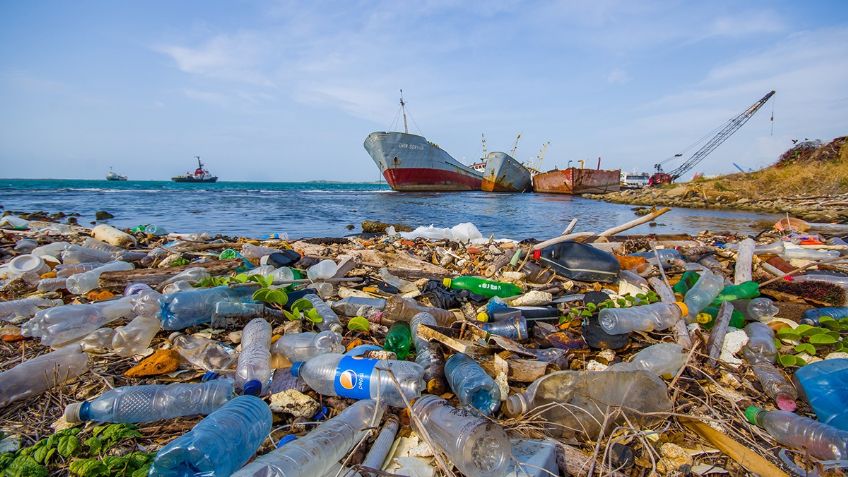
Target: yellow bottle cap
point(446, 282)
point(703, 318)
point(482, 316)
point(683, 308)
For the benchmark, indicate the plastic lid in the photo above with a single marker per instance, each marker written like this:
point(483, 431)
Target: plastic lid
point(295, 369)
point(751, 414)
point(72, 412)
point(446, 282)
point(25, 264)
point(285, 440)
point(537, 254)
point(252, 387)
point(209, 376)
point(483, 316)
point(683, 308)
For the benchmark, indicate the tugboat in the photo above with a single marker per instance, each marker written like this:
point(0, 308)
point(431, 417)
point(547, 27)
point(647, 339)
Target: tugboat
point(200, 175)
point(114, 176)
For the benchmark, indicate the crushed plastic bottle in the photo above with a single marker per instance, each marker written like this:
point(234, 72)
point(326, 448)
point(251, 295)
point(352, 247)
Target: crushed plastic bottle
point(823, 384)
point(706, 289)
point(477, 446)
point(25, 308)
point(330, 320)
point(399, 340)
point(483, 287)
point(126, 341)
point(256, 252)
point(403, 285)
point(358, 306)
point(152, 402)
point(304, 346)
point(472, 386)
point(315, 453)
point(322, 270)
point(761, 352)
point(64, 324)
point(514, 328)
point(202, 352)
point(192, 275)
point(428, 355)
point(193, 307)
point(653, 317)
point(403, 309)
point(36, 375)
point(661, 359)
point(761, 309)
point(253, 372)
point(87, 281)
point(352, 377)
point(820, 440)
point(219, 444)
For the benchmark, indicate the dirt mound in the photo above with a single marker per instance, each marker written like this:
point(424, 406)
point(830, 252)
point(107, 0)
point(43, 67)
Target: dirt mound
point(815, 151)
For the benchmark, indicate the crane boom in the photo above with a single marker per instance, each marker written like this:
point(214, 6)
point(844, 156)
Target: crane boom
point(725, 132)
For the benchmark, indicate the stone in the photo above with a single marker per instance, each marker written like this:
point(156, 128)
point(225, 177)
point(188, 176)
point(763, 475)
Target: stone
point(673, 458)
point(103, 215)
point(295, 403)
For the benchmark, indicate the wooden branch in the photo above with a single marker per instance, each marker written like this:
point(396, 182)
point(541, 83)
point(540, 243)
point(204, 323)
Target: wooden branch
point(718, 332)
point(746, 457)
point(155, 276)
point(634, 223)
point(562, 238)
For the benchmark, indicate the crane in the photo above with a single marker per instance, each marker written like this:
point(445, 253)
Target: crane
point(536, 166)
point(515, 145)
point(724, 132)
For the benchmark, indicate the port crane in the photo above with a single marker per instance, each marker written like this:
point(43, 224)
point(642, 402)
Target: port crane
point(724, 132)
point(515, 145)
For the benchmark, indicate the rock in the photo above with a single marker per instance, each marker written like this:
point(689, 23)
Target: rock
point(373, 227)
point(295, 403)
point(673, 458)
point(103, 215)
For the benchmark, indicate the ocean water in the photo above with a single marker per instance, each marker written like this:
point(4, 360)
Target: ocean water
point(317, 209)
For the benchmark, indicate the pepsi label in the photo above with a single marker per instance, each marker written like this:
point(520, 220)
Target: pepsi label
point(353, 377)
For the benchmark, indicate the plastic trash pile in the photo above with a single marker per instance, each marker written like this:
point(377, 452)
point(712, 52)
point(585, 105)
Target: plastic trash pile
point(431, 352)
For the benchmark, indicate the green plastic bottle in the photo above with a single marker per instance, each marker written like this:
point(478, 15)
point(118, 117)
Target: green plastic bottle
point(737, 319)
point(399, 339)
point(483, 287)
point(687, 281)
point(738, 292)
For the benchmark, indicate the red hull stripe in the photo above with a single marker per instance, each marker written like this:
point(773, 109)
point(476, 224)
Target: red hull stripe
point(422, 179)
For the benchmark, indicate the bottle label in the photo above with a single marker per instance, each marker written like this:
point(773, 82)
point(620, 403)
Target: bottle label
point(353, 377)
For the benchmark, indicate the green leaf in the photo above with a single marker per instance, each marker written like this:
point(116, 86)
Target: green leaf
point(832, 325)
point(811, 331)
point(25, 466)
point(291, 316)
point(88, 468)
point(799, 361)
point(40, 454)
point(94, 444)
point(591, 306)
point(313, 316)
point(261, 295)
point(141, 471)
point(68, 445)
point(806, 348)
point(823, 339)
point(801, 329)
point(786, 360)
point(277, 297)
point(790, 337)
point(301, 304)
point(241, 278)
point(359, 323)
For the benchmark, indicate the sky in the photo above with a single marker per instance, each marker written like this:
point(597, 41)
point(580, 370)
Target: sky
point(288, 91)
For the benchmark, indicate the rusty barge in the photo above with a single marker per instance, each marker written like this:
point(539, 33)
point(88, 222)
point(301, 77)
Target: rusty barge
point(578, 181)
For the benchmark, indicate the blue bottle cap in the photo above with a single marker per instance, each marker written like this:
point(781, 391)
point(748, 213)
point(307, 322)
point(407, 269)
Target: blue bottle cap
point(209, 376)
point(295, 369)
point(252, 387)
point(85, 411)
point(286, 439)
point(321, 414)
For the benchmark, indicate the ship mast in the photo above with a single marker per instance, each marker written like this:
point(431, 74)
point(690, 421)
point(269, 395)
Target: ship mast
point(515, 145)
point(199, 164)
point(485, 150)
point(403, 108)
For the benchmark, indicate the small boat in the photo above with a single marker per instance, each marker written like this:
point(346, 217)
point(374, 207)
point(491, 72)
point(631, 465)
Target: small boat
point(504, 174)
point(578, 181)
point(114, 176)
point(200, 175)
point(634, 180)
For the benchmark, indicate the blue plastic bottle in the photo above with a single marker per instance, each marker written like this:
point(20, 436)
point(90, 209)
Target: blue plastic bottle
point(472, 385)
point(825, 385)
point(193, 307)
point(812, 317)
point(220, 444)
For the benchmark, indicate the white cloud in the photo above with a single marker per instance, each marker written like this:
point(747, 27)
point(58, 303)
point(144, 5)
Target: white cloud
point(237, 57)
point(618, 76)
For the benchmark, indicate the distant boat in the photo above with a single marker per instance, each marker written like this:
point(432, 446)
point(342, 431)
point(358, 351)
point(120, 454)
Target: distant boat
point(578, 181)
point(114, 176)
point(502, 173)
point(200, 175)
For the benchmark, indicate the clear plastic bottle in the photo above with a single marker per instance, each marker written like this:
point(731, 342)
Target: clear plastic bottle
point(477, 446)
point(53, 249)
point(152, 402)
point(820, 440)
point(219, 444)
point(653, 317)
point(403, 309)
point(800, 253)
point(760, 352)
point(513, 328)
point(428, 355)
point(352, 377)
point(229, 314)
point(282, 275)
point(25, 307)
point(202, 352)
point(330, 318)
point(322, 270)
point(36, 375)
point(661, 359)
point(314, 453)
point(253, 372)
point(64, 324)
point(744, 259)
point(357, 305)
point(472, 386)
point(65, 271)
point(255, 252)
point(382, 444)
point(51, 284)
point(135, 336)
point(191, 275)
point(305, 346)
point(761, 309)
point(705, 290)
point(94, 244)
point(823, 383)
point(87, 281)
point(403, 285)
point(193, 307)
point(77, 254)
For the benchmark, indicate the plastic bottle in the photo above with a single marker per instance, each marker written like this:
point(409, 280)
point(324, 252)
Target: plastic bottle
point(661, 359)
point(135, 337)
point(653, 317)
point(403, 309)
point(760, 352)
point(352, 377)
point(761, 309)
point(399, 340)
point(575, 402)
point(314, 453)
point(193, 307)
point(357, 305)
point(152, 402)
point(706, 289)
point(330, 318)
point(78, 254)
point(814, 315)
point(229, 314)
point(823, 384)
point(322, 270)
point(477, 446)
point(399, 283)
point(87, 281)
point(51, 284)
point(483, 287)
point(428, 355)
point(191, 275)
point(382, 444)
point(808, 254)
point(202, 352)
point(305, 346)
point(66, 270)
point(253, 372)
point(255, 252)
point(64, 324)
point(738, 292)
point(25, 307)
point(219, 444)
point(472, 386)
point(282, 274)
point(36, 375)
point(514, 328)
point(27, 266)
point(820, 440)
point(669, 257)
point(53, 249)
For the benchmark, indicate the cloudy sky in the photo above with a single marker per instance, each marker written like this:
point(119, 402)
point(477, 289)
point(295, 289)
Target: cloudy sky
point(287, 91)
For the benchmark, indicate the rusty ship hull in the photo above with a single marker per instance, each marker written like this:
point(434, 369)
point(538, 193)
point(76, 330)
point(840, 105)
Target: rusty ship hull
point(505, 174)
point(578, 181)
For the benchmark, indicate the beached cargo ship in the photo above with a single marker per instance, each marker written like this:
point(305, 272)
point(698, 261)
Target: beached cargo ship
point(578, 181)
point(504, 174)
point(410, 162)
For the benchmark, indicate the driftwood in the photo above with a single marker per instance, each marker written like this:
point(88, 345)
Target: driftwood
point(633, 223)
point(201, 246)
point(746, 457)
point(606, 233)
point(155, 276)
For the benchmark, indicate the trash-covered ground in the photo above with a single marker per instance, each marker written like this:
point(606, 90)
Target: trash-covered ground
point(420, 353)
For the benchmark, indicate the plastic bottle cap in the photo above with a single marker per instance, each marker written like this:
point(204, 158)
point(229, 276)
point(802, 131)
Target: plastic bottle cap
point(209, 376)
point(285, 440)
point(751, 414)
point(252, 387)
point(537, 254)
point(684, 310)
point(72, 412)
point(295, 369)
point(446, 282)
point(483, 317)
point(25, 264)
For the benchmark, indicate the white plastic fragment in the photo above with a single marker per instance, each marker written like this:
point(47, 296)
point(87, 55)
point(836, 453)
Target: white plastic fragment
point(733, 343)
point(533, 298)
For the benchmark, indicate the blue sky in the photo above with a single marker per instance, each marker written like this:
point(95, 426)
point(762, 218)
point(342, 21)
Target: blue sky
point(280, 91)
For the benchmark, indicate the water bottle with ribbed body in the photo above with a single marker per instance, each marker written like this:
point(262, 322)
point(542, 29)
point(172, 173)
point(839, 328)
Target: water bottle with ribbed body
point(823, 383)
point(254, 362)
point(472, 386)
point(477, 446)
point(820, 440)
point(705, 290)
point(219, 444)
point(330, 318)
point(353, 377)
point(314, 453)
point(87, 281)
point(304, 346)
point(653, 317)
point(193, 307)
point(51, 284)
point(64, 324)
point(36, 375)
point(152, 402)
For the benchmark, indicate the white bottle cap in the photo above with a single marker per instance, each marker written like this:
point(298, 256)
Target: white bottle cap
point(24, 264)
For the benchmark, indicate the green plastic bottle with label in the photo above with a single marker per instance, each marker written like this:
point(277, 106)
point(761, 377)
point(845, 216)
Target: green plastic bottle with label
point(483, 287)
point(399, 339)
